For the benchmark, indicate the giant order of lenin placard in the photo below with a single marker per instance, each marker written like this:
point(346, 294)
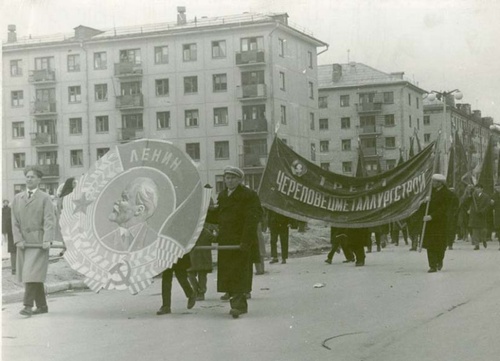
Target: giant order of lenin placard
point(138, 209)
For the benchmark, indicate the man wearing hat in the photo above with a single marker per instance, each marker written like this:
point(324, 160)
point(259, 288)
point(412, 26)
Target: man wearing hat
point(436, 228)
point(479, 206)
point(238, 212)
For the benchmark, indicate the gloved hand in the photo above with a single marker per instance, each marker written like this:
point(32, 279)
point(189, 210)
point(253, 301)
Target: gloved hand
point(427, 218)
point(46, 245)
point(20, 245)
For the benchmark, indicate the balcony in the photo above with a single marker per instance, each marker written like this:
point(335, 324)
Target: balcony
point(43, 139)
point(252, 92)
point(369, 130)
point(253, 160)
point(135, 101)
point(252, 126)
point(42, 76)
point(43, 107)
point(49, 170)
point(128, 69)
point(370, 152)
point(128, 134)
point(250, 57)
point(369, 107)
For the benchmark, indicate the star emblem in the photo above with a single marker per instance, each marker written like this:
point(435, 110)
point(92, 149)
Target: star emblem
point(81, 204)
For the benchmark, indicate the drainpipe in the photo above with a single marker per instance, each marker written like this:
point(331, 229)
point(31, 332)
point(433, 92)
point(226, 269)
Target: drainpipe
point(322, 51)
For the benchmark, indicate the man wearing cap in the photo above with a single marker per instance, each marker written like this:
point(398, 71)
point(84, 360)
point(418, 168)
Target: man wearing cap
point(436, 230)
point(238, 212)
point(33, 225)
point(480, 204)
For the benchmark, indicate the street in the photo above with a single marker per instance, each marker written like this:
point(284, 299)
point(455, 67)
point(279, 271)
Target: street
point(390, 310)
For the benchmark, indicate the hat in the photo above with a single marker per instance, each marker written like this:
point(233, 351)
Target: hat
point(234, 171)
point(439, 177)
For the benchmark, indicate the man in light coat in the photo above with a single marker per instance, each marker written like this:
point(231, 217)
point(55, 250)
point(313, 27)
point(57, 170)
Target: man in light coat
point(33, 225)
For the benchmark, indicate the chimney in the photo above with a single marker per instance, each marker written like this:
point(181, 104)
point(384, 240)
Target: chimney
point(476, 114)
point(336, 72)
point(12, 36)
point(398, 74)
point(181, 15)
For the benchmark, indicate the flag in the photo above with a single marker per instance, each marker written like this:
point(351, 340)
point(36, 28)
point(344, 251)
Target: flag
point(361, 166)
point(401, 159)
point(486, 175)
point(457, 167)
point(411, 154)
point(419, 146)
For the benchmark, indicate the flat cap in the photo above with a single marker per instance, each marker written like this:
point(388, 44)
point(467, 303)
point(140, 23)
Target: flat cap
point(234, 171)
point(439, 177)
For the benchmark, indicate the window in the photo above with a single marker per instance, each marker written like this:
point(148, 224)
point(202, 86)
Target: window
point(131, 88)
point(191, 118)
point(190, 84)
point(193, 150)
point(418, 123)
point(345, 123)
point(74, 62)
point(16, 98)
point(101, 152)
point(18, 188)
point(74, 94)
point(389, 120)
point(323, 102)
point(189, 52)
point(323, 124)
point(409, 99)
point(311, 90)
point(44, 63)
point(313, 151)
point(130, 56)
point(253, 43)
point(418, 102)
point(161, 54)
point(76, 158)
point(346, 144)
point(390, 163)
point(218, 49)
point(17, 129)
point(310, 59)
point(19, 160)
point(161, 86)
point(346, 167)
point(344, 100)
point(102, 124)
point(427, 138)
point(388, 97)
point(75, 126)
point(221, 150)
point(324, 146)
point(311, 121)
point(101, 92)
point(100, 60)
point(427, 120)
point(219, 82)
point(16, 67)
point(132, 121)
point(281, 47)
point(283, 114)
point(409, 121)
point(390, 142)
point(162, 120)
point(325, 166)
point(254, 112)
point(220, 116)
point(282, 80)
point(47, 158)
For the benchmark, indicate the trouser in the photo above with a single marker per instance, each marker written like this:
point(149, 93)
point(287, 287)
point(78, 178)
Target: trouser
point(359, 250)
point(13, 256)
point(435, 257)
point(198, 280)
point(282, 233)
point(34, 293)
point(166, 285)
point(478, 236)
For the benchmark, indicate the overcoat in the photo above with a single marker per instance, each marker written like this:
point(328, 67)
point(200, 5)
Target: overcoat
point(33, 221)
point(7, 228)
point(496, 210)
point(237, 216)
point(478, 211)
point(436, 230)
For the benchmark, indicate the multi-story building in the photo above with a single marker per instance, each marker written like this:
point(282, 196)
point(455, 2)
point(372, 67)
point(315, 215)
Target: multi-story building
point(217, 87)
point(362, 107)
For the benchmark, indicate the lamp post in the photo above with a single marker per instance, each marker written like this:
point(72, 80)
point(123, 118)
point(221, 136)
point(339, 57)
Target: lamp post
point(442, 96)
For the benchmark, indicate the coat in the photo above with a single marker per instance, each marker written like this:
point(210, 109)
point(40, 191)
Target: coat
point(436, 230)
point(479, 210)
point(237, 216)
point(495, 200)
point(7, 228)
point(33, 222)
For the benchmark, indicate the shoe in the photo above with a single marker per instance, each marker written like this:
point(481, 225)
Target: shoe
point(163, 311)
point(191, 301)
point(40, 310)
point(329, 261)
point(439, 266)
point(378, 249)
point(236, 313)
point(200, 297)
point(259, 273)
point(369, 250)
point(348, 261)
point(274, 260)
point(26, 311)
point(225, 297)
point(248, 295)
point(360, 263)
point(283, 261)
point(431, 270)
point(476, 248)
point(485, 245)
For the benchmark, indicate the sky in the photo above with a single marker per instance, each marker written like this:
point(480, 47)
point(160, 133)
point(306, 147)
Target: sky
point(439, 45)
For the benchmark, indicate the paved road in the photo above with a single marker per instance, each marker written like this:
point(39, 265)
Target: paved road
point(389, 310)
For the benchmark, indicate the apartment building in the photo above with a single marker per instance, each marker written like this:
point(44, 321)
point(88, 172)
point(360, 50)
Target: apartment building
point(219, 88)
point(360, 106)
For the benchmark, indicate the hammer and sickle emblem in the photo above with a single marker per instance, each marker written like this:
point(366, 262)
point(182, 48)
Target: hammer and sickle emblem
point(120, 274)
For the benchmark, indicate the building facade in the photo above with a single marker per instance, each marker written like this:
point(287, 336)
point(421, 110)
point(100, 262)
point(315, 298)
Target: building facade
point(218, 88)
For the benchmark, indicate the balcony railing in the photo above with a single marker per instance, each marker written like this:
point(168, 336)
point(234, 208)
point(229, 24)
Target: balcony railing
point(253, 160)
point(50, 170)
point(252, 126)
point(369, 107)
point(370, 152)
point(127, 134)
point(250, 57)
point(43, 139)
point(369, 130)
point(130, 101)
point(128, 69)
point(42, 107)
point(42, 76)
point(252, 91)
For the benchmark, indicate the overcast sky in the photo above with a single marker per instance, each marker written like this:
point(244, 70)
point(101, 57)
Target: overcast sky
point(441, 45)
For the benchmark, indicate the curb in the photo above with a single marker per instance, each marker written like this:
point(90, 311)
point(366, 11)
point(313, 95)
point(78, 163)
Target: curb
point(17, 296)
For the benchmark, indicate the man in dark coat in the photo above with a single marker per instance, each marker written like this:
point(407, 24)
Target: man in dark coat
point(7, 233)
point(237, 213)
point(495, 202)
point(278, 226)
point(436, 230)
point(478, 211)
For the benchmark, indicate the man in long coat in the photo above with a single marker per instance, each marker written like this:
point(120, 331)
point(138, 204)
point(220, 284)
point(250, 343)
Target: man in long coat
point(495, 202)
point(478, 212)
point(237, 213)
point(436, 229)
point(33, 225)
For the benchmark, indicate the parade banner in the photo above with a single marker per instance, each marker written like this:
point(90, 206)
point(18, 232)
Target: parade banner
point(299, 189)
point(135, 213)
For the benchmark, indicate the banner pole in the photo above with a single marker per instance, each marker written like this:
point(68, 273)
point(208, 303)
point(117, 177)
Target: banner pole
point(436, 158)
